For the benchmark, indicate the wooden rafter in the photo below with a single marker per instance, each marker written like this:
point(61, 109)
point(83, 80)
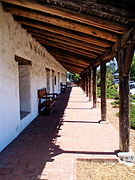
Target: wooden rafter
point(72, 25)
point(122, 43)
point(72, 67)
point(65, 47)
point(68, 43)
point(64, 32)
point(70, 62)
point(57, 11)
point(71, 59)
point(47, 34)
point(84, 35)
point(69, 55)
point(78, 62)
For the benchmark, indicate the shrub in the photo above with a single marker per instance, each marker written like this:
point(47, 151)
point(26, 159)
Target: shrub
point(132, 98)
point(111, 92)
point(132, 115)
point(115, 104)
point(98, 92)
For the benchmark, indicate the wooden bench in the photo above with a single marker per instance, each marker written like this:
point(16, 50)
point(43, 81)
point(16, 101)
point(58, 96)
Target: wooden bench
point(46, 104)
point(63, 88)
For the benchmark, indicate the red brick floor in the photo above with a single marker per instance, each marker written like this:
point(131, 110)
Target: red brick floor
point(49, 147)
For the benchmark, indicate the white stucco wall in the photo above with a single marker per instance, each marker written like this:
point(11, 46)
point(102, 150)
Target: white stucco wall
point(14, 40)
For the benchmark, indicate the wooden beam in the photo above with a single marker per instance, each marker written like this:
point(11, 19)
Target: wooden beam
point(64, 32)
point(72, 25)
point(129, 56)
point(86, 82)
point(123, 42)
point(46, 34)
point(69, 43)
point(65, 47)
point(69, 55)
point(22, 61)
point(72, 65)
point(70, 58)
point(123, 105)
point(124, 59)
point(83, 81)
point(65, 13)
point(72, 68)
point(103, 91)
point(94, 87)
point(66, 59)
point(60, 59)
point(90, 84)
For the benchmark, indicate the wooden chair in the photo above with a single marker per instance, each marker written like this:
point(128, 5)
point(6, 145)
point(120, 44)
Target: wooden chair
point(63, 87)
point(46, 104)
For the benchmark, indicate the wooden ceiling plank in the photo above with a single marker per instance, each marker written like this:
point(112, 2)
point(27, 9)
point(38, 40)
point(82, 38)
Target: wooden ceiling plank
point(65, 13)
point(73, 70)
point(70, 62)
point(124, 41)
point(72, 66)
point(62, 41)
point(80, 63)
point(72, 59)
point(83, 28)
point(64, 32)
point(69, 55)
point(49, 34)
point(72, 49)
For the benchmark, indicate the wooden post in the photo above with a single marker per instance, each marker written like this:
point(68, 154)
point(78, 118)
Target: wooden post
point(124, 59)
point(103, 91)
point(94, 87)
point(87, 83)
point(83, 82)
point(90, 92)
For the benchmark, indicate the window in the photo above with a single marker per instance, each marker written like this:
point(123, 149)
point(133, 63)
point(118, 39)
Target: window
point(48, 79)
point(24, 86)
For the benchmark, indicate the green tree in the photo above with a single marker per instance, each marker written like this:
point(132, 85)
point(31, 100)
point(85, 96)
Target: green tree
point(76, 78)
point(132, 73)
point(112, 91)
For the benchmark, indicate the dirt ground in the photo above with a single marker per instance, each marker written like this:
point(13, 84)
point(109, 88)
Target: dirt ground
point(87, 170)
point(111, 116)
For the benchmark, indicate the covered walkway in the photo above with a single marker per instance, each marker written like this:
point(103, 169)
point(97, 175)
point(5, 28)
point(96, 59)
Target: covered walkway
point(49, 147)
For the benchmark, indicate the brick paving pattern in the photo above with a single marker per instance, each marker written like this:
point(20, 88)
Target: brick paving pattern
point(49, 147)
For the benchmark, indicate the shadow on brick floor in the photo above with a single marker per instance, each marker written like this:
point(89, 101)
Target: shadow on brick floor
point(26, 157)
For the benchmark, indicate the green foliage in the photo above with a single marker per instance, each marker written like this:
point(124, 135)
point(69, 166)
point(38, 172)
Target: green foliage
point(132, 110)
point(111, 89)
point(76, 78)
point(109, 76)
point(112, 92)
point(132, 98)
point(132, 116)
point(132, 73)
point(98, 92)
point(115, 104)
point(117, 114)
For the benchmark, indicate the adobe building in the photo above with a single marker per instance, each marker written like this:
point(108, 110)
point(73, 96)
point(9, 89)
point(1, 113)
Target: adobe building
point(25, 67)
point(41, 40)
